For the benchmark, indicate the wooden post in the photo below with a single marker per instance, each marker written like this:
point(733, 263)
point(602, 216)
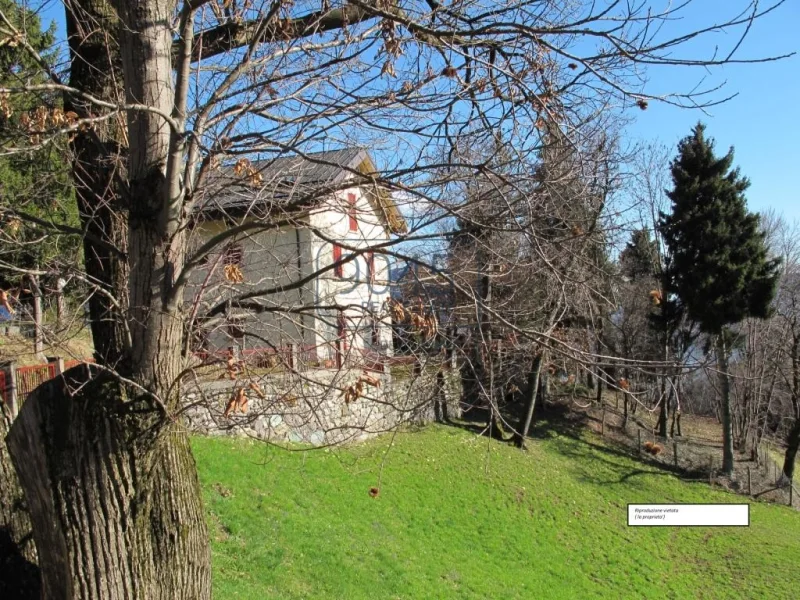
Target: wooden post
point(749, 482)
point(710, 468)
point(58, 362)
point(675, 453)
point(603, 422)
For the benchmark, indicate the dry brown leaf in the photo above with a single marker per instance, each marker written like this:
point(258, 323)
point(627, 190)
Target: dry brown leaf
point(233, 274)
point(255, 387)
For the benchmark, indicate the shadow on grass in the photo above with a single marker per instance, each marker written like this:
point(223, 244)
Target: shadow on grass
point(558, 422)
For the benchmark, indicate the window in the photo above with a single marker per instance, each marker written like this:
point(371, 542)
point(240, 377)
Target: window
point(370, 259)
point(233, 255)
point(351, 212)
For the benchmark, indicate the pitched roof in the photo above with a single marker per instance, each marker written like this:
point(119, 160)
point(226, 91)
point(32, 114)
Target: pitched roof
point(284, 177)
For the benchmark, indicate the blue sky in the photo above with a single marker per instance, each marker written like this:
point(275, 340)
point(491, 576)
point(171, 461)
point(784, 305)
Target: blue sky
point(761, 122)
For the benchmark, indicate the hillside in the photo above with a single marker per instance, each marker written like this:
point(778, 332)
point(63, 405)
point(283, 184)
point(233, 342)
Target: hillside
point(459, 516)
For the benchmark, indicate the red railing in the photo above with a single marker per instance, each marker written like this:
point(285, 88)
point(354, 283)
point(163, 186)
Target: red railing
point(31, 377)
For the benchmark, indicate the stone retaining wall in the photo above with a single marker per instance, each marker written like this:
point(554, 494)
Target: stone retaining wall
point(310, 407)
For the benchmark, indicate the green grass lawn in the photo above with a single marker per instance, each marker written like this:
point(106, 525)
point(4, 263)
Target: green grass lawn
point(459, 516)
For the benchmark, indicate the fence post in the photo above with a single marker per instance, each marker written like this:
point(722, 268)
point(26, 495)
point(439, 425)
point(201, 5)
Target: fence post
point(603, 422)
point(675, 453)
point(639, 431)
point(58, 362)
point(11, 388)
point(291, 357)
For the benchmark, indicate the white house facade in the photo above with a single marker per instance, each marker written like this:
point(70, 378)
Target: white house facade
point(303, 275)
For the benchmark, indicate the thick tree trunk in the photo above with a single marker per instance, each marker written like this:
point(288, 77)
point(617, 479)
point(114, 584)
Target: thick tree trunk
point(98, 171)
point(112, 487)
point(19, 573)
point(113, 492)
point(727, 421)
point(532, 392)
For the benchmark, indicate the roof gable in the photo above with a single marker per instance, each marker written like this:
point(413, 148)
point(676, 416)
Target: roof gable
point(318, 174)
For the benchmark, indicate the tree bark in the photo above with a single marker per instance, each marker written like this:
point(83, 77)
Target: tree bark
point(727, 421)
point(624, 409)
point(19, 573)
point(61, 304)
point(792, 446)
point(112, 487)
point(532, 392)
point(38, 318)
point(663, 414)
point(113, 492)
point(98, 171)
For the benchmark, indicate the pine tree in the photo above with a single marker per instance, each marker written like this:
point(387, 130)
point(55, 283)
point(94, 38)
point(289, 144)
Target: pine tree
point(717, 266)
point(639, 258)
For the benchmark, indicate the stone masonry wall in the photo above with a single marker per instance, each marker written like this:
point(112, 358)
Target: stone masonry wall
point(310, 407)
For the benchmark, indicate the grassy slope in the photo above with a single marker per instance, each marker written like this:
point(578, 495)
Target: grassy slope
point(461, 517)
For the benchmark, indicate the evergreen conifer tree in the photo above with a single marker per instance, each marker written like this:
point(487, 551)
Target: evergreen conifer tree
point(718, 267)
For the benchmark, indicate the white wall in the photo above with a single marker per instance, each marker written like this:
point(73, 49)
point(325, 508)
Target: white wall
point(353, 289)
point(271, 259)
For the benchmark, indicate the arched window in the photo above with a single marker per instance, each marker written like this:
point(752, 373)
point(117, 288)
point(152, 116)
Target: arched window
point(233, 255)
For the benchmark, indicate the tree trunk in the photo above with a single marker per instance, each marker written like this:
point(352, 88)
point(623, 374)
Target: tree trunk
point(601, 383)
point(113, 492)
point(532, 392)
point(38, 318)
point(440, 399)
point(98, 171)
point(624, 409)
point(663, 414)
point(792, 445)
point(19, 573)
point(675, 429)
point(61, 304)
point(727, 424)
point(112, 487)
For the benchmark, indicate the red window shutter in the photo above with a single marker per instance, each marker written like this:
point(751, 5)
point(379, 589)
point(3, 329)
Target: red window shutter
point(338, 270)
point(371, 267)
point(351, 212)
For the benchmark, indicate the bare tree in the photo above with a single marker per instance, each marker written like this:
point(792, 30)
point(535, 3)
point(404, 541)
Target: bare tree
point(159, 95)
